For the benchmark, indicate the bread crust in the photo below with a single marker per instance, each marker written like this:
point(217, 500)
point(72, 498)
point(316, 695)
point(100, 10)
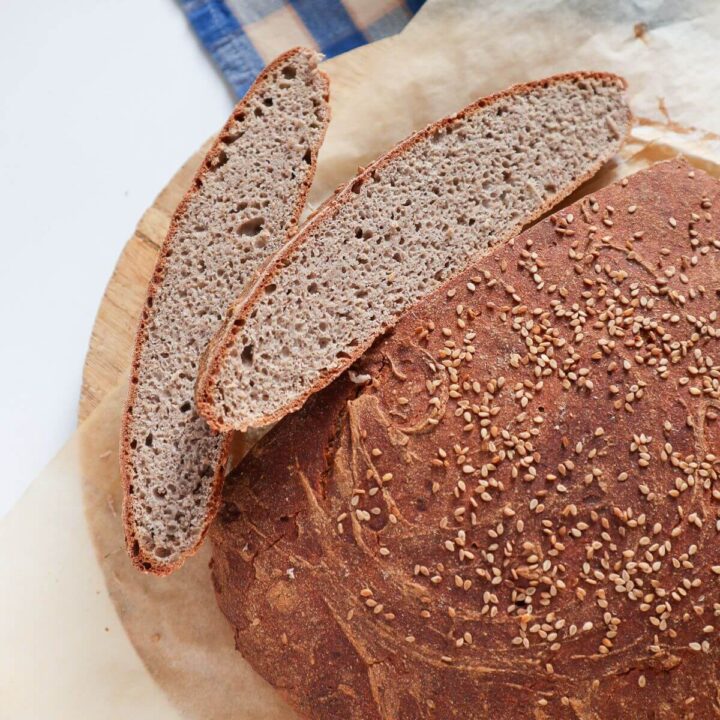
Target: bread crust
point(221, 345)
point(141, 559)
point(615, 476)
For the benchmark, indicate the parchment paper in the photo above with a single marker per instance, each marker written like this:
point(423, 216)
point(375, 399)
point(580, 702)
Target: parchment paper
point(84, 635)
point(455, 51)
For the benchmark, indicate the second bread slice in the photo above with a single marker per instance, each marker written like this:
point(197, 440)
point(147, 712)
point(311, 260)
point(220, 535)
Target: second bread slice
point(412, 219)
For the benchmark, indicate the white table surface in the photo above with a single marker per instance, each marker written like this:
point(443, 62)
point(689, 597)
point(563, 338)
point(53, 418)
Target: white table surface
point(100, 102)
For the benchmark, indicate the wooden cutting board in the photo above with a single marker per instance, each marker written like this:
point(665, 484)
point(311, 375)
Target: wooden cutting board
point(110, 349)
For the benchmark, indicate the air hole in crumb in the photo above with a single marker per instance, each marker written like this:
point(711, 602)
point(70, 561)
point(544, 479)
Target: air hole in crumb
point(162, 552)
point(313, 288)
point(307, 157)
point(550, 187)
point(149, 440)
point(258, 111)
point(271, 288)
point(133, 444)
point(289, 72)
point(323, 342)
point(247, 355)
point(230, 137)
point(268, 102)
point(355, 187)
point(251, 227)
point(136, 548)
point(186, 407)
point(358, 232)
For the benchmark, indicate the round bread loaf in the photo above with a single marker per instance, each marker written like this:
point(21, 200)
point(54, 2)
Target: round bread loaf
point(510, 507)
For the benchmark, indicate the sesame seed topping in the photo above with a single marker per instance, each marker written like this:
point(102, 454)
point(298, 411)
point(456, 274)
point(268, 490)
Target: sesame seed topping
point(524, 463)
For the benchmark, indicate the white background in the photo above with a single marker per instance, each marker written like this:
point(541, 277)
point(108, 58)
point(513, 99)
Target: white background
point(100, 102)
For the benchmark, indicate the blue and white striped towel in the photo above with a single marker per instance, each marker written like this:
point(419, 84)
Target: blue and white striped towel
point(243, 35)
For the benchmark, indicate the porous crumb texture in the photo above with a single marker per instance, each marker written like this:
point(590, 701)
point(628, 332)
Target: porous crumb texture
point(412, 220)
point(518, 517)
point(242, 207)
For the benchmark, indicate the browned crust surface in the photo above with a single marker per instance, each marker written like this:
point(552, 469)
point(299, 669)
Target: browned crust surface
point(550, 418)
point(223, 343)
point(142, 560)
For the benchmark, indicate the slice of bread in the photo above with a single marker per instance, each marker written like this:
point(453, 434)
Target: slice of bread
point(244, 204)
point(405, 224)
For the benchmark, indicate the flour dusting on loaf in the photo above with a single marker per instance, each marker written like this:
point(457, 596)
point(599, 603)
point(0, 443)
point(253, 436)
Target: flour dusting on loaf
point(518, 516)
